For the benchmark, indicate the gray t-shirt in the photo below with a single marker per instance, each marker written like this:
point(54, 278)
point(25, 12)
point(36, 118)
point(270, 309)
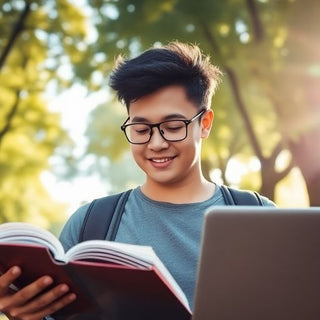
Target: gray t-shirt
point(172, 230)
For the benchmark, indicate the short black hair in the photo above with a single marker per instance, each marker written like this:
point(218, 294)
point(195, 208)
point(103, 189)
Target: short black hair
point(174, 64)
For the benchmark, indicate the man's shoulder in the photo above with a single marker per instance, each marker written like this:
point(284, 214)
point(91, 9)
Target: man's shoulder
point(266, 202)
point(235, 196)
point(69, 235)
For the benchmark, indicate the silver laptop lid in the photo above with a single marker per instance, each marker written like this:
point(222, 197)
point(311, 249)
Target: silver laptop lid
point(259, 264)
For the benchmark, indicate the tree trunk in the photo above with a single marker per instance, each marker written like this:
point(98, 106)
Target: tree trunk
point(306, 153)
point(268, 180)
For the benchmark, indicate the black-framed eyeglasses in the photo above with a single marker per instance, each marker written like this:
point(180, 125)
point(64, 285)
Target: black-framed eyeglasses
point(170, 130)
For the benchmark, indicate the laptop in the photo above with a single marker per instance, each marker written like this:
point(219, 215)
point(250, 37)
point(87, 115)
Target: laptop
point(259, 263)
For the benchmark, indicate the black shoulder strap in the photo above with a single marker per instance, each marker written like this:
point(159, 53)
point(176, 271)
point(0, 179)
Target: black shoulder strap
point(103, 217)
point(241, 197)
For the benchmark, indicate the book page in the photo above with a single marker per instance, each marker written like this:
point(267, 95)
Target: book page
point(21, 232)
point(125, 254)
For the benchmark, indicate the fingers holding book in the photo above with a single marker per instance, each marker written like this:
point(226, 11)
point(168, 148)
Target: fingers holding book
point(34, 301)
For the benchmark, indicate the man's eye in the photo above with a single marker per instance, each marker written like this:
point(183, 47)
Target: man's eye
point(141, 131)
point(174, 126)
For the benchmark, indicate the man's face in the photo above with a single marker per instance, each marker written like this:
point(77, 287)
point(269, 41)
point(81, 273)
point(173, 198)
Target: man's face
point(164, 162)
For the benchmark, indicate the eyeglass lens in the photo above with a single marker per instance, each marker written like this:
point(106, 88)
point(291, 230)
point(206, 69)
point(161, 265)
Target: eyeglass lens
point(174, 130)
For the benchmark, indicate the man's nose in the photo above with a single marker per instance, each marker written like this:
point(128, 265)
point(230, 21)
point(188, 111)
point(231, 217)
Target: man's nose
point(156, 140)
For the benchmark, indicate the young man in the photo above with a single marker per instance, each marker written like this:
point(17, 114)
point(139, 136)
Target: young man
point(167, 92)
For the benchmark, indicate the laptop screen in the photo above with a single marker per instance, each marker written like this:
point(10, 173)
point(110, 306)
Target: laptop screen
point(259, 263)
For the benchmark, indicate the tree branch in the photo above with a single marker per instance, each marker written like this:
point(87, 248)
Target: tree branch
point(256, 22)
point(276, 151)
point(282, 174)
point(9, 117)
point(19, 27)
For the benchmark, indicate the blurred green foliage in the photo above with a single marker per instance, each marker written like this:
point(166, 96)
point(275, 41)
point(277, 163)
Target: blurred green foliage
point(34, 37)
point(268, 104)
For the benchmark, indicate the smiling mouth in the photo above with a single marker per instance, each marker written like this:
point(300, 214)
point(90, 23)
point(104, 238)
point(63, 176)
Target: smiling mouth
point(161, 160)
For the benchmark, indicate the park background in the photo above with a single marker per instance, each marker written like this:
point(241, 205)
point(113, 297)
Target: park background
point(60, 138)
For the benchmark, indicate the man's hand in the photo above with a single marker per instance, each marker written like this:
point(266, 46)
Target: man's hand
point(30, 302)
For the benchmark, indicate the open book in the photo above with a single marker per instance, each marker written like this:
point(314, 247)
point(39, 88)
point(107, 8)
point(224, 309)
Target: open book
point(112, 280)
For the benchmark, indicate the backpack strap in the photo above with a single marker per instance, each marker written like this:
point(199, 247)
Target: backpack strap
point(104, 214)
point(103, 217)
point(240, 197)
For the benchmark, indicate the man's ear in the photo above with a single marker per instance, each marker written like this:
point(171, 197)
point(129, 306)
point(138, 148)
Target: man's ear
point(206, 123)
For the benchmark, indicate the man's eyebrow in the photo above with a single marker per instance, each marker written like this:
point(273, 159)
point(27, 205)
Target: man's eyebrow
point(172, 116)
